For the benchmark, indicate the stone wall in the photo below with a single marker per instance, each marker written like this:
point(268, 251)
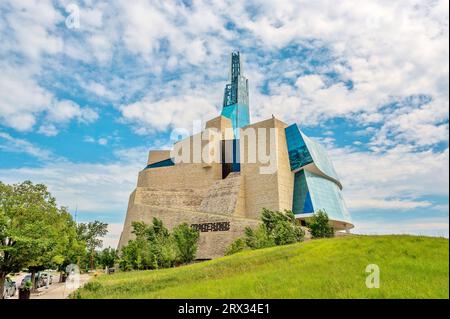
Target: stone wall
point(223, 196)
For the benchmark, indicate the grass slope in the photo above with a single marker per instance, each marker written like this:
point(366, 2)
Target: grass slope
point(410, 267)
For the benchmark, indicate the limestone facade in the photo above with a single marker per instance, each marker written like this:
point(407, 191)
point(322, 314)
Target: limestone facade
point(198, 193)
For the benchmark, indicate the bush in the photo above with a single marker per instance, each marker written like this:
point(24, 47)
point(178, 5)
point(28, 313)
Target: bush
point(277, 228)
point(284, 233)
point(186, 239)
point(236, 246)
point(319, 225)
point(259, 238)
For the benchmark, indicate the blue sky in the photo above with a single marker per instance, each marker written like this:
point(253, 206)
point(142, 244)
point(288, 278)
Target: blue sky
point(80, 107)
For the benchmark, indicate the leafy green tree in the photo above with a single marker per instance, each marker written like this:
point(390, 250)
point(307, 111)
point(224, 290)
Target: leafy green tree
point(91, 233)
point(63, 248)
point(162, 245)
point(319, 225)
point(132, 256)
point(31, 227)
point(107, 257)
point(138, 254)
point(155, 247)
point(186, 239)
point(70, 248)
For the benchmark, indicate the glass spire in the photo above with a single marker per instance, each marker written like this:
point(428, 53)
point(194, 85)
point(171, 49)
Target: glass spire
point(235, 99)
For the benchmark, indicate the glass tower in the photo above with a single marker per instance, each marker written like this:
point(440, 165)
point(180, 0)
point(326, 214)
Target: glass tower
point(316, 183)
point(235, 98)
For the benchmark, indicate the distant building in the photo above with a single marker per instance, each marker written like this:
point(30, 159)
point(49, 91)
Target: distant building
point(219, 180)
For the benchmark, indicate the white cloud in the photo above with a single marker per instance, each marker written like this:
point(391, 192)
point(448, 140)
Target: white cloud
point(367, 203)
point(422, 126)
point(32, 24)
point(396, 179)
point(89, 187)
point(420, 226)
point(23, 102)
point(29, 31)
point(178, 112)
point(112, 238)
point(48, 130)
point(21, 98)
point(64, 111)
point(9, 143)
point(102, 141)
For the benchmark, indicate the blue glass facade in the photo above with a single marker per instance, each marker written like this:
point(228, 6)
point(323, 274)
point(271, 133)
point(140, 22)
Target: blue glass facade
point(163, 163)
point(320, 158)
point(313, 192)
point(299, 155)
point(317, 186)
point(304, 150)
point(238, 114)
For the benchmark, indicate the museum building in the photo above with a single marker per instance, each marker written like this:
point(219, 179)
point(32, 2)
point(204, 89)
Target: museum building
point(219, 180)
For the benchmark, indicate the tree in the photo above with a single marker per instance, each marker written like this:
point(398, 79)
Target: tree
point(107, 257)
point(155, 247)
point(30, 228)
point(63, 246)
point(70, 248)
point(91, 233)
point(161, 245)
point(186, 239)
point(319, 225)
point(137, 255)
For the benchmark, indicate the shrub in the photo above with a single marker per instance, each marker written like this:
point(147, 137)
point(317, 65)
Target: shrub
point(236, 246)
point(284, 233)
point(186, 239)
point(277, 228)
point(259, 238)
point(319, 225)
point(284, 228)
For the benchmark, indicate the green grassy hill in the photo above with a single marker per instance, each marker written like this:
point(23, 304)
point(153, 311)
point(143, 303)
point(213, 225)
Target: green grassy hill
point(410, 267)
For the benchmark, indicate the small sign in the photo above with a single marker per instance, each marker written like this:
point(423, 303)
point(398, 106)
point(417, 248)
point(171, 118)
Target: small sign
point(216, 226)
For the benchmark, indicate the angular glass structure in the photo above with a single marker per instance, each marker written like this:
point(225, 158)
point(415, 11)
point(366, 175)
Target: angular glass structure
point(299, 155)
point(235, 98)
point(304, 150)
point(313, 192)
point(316, 183)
